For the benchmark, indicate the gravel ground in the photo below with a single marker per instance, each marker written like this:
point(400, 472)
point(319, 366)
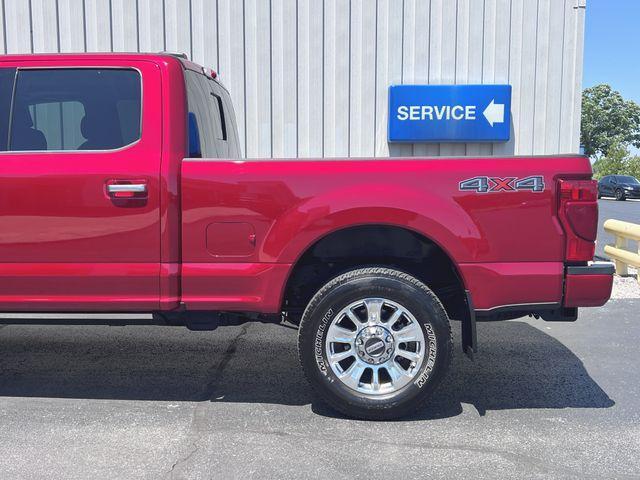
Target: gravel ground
point(627, 286)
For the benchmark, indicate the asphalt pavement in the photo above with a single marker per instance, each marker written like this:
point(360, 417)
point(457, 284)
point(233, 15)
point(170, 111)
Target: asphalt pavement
point(627, 211)
point(541, 400)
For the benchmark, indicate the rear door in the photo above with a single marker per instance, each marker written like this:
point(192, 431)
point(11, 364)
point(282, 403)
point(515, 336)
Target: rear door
point(79, 186)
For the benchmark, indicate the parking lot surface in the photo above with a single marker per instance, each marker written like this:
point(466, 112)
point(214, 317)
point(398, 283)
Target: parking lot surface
point(541, 400)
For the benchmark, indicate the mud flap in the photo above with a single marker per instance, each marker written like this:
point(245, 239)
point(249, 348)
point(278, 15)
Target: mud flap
point(469, 337)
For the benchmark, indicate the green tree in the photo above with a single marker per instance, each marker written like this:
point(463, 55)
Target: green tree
point(607, 120)
point(633, 167)
point(613, 163)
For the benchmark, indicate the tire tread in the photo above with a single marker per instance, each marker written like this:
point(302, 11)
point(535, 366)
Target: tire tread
point(382, 413)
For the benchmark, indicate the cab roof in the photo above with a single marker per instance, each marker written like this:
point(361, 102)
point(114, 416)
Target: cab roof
point(68, 57)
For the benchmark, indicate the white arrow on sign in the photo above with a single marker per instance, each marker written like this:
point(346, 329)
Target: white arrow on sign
point(494, 113)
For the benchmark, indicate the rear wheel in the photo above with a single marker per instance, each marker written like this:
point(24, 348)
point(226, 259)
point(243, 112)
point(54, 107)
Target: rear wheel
point(374, 343)
point(620, 196)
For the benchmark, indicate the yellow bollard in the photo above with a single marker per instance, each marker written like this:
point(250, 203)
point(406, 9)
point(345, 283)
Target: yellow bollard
point(619, 253)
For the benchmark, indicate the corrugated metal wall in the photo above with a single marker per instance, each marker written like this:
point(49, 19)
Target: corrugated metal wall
point(309, 78)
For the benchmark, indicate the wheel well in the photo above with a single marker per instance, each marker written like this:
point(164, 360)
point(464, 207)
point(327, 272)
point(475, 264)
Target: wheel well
point(368, 245)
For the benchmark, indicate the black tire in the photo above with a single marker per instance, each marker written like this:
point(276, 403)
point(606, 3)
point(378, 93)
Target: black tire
point(375, 282)
point(620, 196)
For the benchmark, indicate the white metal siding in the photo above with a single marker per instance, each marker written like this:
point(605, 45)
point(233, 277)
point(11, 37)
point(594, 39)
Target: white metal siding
point(309, 78)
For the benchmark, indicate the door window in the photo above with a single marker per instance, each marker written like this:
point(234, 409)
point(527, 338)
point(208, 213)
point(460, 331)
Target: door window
point(74, 109)
point(60, 124)
point(7, 78)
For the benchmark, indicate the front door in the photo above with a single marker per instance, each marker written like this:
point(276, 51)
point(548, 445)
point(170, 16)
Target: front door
point(80, 149)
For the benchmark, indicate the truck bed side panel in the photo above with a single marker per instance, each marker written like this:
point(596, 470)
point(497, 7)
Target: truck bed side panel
point(270, 211)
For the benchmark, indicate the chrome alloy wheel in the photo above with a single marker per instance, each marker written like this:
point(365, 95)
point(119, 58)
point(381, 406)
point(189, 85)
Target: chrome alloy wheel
point(375, 346)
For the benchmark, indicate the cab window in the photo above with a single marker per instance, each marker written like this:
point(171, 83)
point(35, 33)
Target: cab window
point(7, 79)
point(74, 109)
point(202, 115)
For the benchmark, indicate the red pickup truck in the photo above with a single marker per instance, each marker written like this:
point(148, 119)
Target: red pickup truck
point(122, 191)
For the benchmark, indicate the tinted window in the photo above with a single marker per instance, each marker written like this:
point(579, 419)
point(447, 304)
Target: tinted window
point(75, 109)
point(201, 106)
point(232, 147)
point(217, 107)
point(221, 128)
point(7, 76)
point(59, 122)
point(627, 179)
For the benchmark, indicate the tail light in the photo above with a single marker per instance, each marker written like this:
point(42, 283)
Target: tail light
point(578, 212)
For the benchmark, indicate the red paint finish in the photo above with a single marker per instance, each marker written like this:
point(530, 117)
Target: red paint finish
point(224, 235)
point(174, 146)
point(587, 290)
point(169, 286)
point(245, 287)
point(504, 284)
point(78, 287)
point(292, 204)
point(231, 239)
point(509, 246)
point(55, 210)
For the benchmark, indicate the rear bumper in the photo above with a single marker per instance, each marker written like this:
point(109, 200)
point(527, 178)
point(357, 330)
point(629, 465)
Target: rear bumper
point(516, 289)
point(588, 286)
point(513, 285)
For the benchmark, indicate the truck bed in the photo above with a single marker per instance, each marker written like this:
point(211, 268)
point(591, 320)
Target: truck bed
point(246, 222)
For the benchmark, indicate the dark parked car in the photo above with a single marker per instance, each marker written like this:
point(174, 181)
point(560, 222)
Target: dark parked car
point(619, 186)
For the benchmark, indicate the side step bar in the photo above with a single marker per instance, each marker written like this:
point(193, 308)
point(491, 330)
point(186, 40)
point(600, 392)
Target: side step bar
point(115, 319)
point(195, 320)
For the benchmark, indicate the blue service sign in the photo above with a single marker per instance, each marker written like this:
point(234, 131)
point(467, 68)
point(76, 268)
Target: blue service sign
point(449, 113)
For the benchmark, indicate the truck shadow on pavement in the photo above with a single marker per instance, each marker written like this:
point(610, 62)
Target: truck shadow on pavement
point(519, 367)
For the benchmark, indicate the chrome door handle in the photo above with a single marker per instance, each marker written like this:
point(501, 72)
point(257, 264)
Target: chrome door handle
point(127, 188)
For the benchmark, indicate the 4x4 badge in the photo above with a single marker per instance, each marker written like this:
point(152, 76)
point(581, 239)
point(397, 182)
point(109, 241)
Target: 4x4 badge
point(534, 183)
